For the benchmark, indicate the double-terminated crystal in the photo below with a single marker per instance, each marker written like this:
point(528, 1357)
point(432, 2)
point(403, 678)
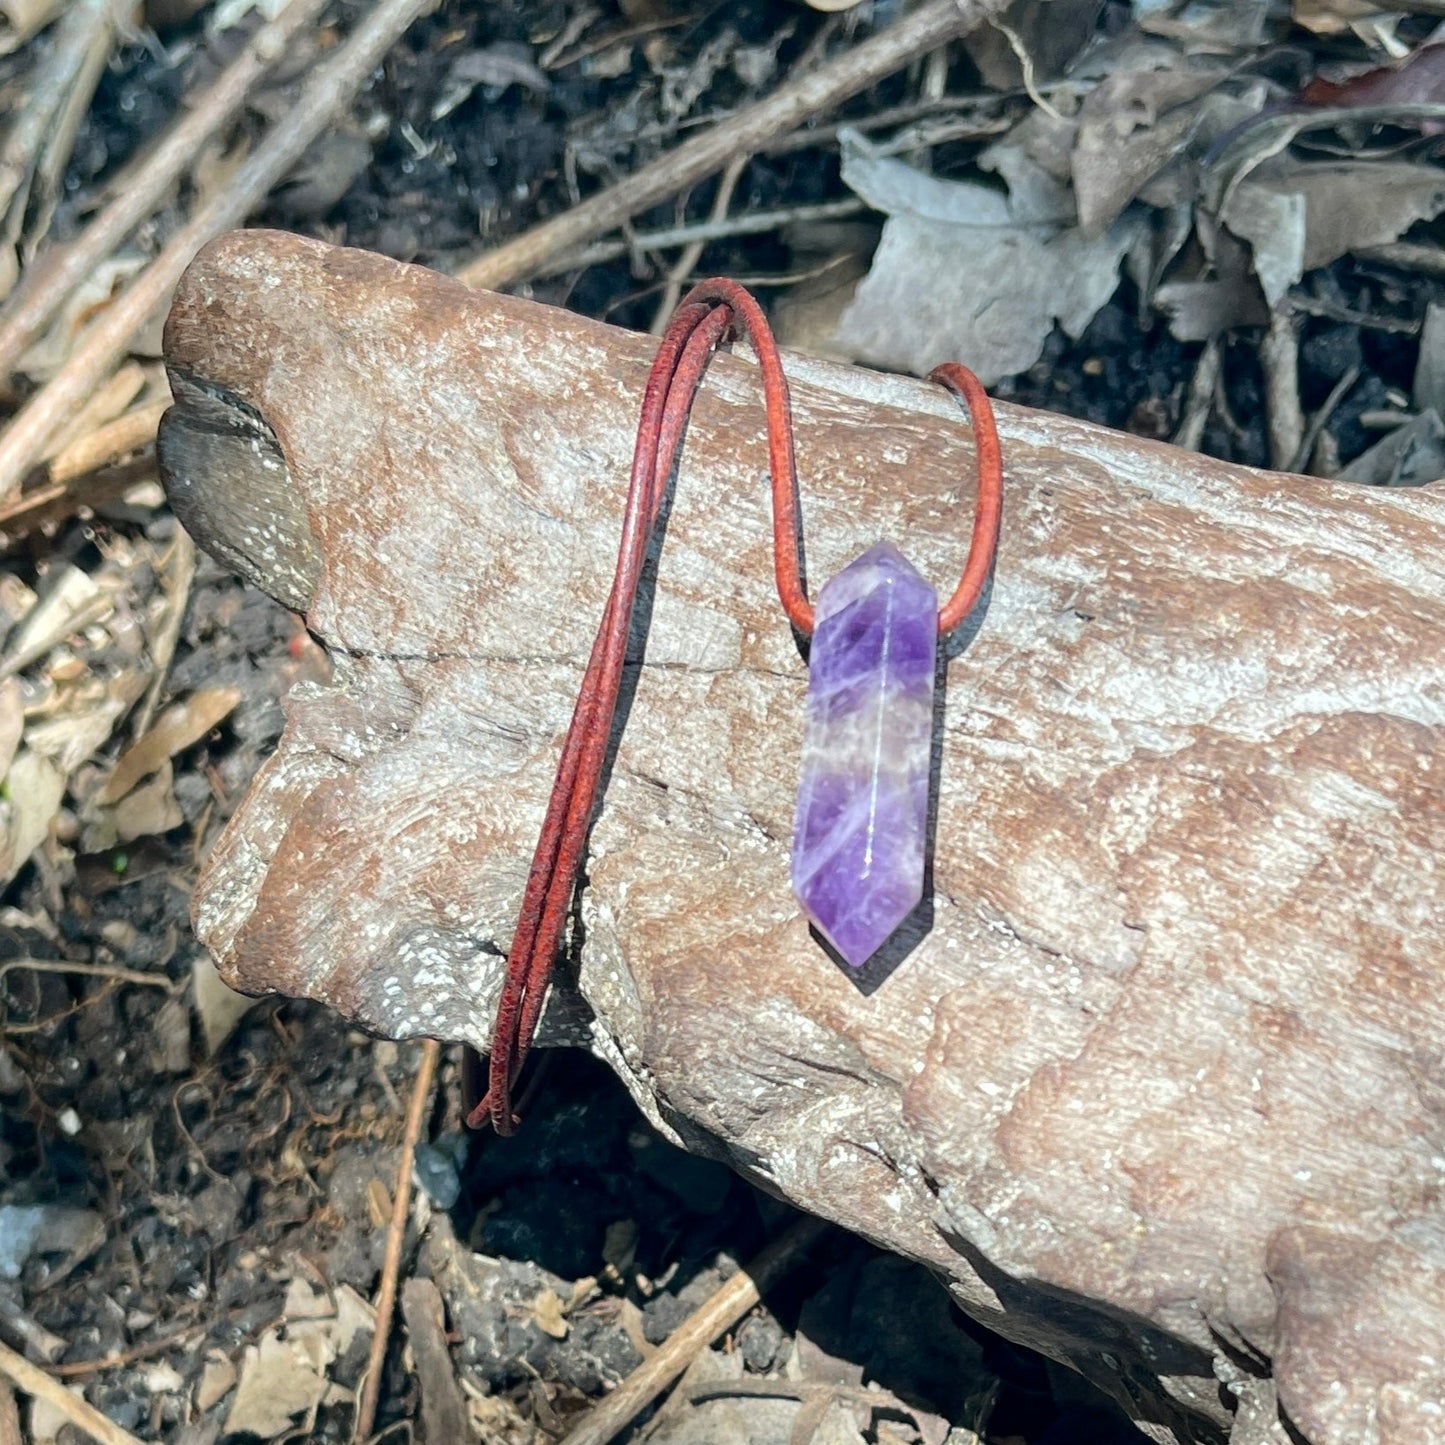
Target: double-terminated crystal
point(858, 843)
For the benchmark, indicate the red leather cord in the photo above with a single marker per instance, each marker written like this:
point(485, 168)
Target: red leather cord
point(706, 316)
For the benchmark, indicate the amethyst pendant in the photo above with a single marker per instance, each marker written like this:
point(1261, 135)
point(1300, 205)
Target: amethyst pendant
point(858, 842)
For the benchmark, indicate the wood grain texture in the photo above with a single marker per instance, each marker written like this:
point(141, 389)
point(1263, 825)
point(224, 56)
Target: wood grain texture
point(1161, 1089)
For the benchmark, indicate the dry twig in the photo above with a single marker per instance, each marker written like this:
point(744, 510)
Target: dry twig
point(41, 123)
point(1199, 400)
point(750, 129)
point(163, 644)
point(129, 432)
point(58, 500)
point(1320, 420)
point(91, 970)
point(329, 90)
point(9, 1418)
point(681, 269)
point(727, 1305)
point(43, 289)
point(752, 223)
point(85, 1417)
point(1279, 356)
point(395, 1235)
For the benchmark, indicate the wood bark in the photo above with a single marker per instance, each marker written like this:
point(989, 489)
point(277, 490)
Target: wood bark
point(1157, 1084)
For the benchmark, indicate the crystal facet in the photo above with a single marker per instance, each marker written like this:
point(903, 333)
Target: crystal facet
point(858, 842)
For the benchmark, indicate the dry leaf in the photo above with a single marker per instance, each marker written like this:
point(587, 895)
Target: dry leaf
point(29, 801)
point(280, 1379)
point(147, 811)
point(1428, 392)
point(1334, 17)
point(1210, 27)
point(88, 719)
point(170, 1038)
point(70, 598)
point(1298, 215)
point(218, 1006)
point(1421, 77)
point(218, 1377)
point(549, 1316)
point(1410, 456)
point(171, 733)
point(1134, 122)
point(839, 1426)
point(1050, 32)
point(966, 273)
point(283, 1377)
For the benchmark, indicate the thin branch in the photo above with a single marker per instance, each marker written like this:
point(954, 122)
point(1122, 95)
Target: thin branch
point(750, 129)
point(36, 1383)
point(726, 1306)
point(330, 89)
point(130, 432)
point(752, 223)
point(55, 502)
point(90, 970)
point(1338, 392)
point(45, 286)
point(395, 1235)
point(1279, 358)
point(681, 269)
point(1199, 401)
point(19, 156)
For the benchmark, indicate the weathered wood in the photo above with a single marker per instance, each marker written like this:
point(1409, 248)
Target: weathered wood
point(1160, 1091)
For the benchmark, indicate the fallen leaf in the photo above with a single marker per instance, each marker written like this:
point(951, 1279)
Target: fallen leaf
point(838, 1426)
point(171, 733)
point(1334, 17)
point(218, 1378)
point(965, 272)
point(146, 811)
point(1298, 215)
point(280, 1379)
point(218, 1006)
point(1210, 27)
point(1428, 391)
point(354, 1316)
point(170, 1038)
point(69, 600)
point(1410, 456)
point(1133, 124)
point(29, 800)
point(1420, 77)
point(548, 1314)
point(1050, 32)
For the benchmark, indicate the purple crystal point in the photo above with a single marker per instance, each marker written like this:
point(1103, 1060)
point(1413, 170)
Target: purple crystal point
point(862, 822)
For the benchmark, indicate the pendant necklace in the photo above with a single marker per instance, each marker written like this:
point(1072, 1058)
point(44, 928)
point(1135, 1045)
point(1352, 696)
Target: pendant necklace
point(859, 842)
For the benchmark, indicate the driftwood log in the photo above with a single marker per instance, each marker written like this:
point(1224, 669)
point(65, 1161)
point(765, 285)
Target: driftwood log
point(1159, 1091)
